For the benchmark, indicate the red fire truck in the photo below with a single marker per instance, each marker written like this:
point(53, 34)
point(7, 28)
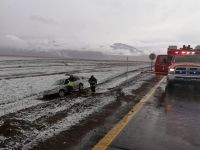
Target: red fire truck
point(164, 61)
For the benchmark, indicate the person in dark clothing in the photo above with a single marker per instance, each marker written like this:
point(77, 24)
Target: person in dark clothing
point(71, 78)
point(93, 82)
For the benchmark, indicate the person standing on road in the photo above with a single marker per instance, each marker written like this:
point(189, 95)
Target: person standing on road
point(93, 82)
point(70, 84)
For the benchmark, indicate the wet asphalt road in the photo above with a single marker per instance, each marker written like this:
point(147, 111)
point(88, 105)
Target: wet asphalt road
point(170, 120)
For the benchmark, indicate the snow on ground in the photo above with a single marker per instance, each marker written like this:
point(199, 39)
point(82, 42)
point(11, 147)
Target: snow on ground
point(115, 82)
point(5, 58)
point(15, 72)
point(17, 89)
point(75, 117)
point(50, 111)
point(69, 121)
point(128, 90)
point(18, 93)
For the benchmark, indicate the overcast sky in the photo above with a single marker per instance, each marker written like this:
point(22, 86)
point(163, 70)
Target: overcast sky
point(95, 24)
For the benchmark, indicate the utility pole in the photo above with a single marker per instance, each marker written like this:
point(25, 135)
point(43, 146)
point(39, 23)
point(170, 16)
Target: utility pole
point(127, 68)
point(127, 63)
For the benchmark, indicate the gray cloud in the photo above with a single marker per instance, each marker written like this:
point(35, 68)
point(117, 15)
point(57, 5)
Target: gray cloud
point(96, 24)
point(43, 20)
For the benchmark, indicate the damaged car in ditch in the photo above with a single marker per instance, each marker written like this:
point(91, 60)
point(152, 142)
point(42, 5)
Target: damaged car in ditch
point(59, 87)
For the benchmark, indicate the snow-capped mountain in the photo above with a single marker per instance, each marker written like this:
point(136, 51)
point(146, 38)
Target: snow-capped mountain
point(11, 45)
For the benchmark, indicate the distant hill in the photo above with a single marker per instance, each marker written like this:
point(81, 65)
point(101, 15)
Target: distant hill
point(76, 54)
point(13, 45)
point(121, 46)
point(27, 53)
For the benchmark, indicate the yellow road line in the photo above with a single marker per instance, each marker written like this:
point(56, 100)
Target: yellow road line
point(109, 137)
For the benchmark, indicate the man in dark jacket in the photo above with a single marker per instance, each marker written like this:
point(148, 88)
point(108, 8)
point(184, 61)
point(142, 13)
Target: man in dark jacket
point(93, 82)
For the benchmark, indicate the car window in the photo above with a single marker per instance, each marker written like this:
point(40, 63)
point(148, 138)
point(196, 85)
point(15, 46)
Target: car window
point(59, 82)
point(76, 78)
point(165, 59)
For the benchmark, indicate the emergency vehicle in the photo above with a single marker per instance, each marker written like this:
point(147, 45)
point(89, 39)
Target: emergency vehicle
point(163, 62)
point(184, 68)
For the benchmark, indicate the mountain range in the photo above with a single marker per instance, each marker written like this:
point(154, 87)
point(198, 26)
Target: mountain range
point(119, 49)
point(121, 46)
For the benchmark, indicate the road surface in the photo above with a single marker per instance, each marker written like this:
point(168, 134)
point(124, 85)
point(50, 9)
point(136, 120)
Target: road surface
point(169, 120)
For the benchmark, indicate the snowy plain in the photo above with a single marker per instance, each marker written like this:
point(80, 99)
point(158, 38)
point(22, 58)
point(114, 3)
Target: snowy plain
point(22, 82)
point(22, 92)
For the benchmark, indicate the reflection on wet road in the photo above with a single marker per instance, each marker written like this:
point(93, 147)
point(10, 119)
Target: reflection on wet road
point(168, 121)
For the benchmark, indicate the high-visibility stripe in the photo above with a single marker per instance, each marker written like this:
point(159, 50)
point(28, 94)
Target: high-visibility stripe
point(70, 83)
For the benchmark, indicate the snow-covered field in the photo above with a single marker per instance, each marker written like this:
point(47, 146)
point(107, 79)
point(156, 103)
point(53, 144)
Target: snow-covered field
point(20, 90)
point(23, 80)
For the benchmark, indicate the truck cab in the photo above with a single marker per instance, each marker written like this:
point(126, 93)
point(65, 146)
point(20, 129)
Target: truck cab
point(184, 68)
point(163, 62)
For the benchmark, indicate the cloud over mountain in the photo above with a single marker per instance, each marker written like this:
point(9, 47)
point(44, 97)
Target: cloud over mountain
point(12, 41)
point(121, 46)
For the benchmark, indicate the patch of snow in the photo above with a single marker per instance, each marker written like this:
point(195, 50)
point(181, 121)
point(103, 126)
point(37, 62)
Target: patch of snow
point(128, 90)
point(50, 111)
point(67, 122)
point(19, 93)
point(18, 89)
point(18, 105)
point(2, 138)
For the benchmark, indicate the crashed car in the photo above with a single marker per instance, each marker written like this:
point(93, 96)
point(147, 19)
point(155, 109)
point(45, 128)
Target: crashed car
point(184, 68)
point(59, 87)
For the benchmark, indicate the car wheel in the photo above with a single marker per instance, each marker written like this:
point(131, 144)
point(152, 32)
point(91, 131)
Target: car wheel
point(80, 88)
point(61, 93)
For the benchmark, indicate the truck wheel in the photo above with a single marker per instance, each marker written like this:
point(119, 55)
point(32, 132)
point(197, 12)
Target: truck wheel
point(61, 93)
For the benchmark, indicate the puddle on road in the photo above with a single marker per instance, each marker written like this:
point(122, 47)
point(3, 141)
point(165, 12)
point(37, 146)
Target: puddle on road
point(180, 105)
